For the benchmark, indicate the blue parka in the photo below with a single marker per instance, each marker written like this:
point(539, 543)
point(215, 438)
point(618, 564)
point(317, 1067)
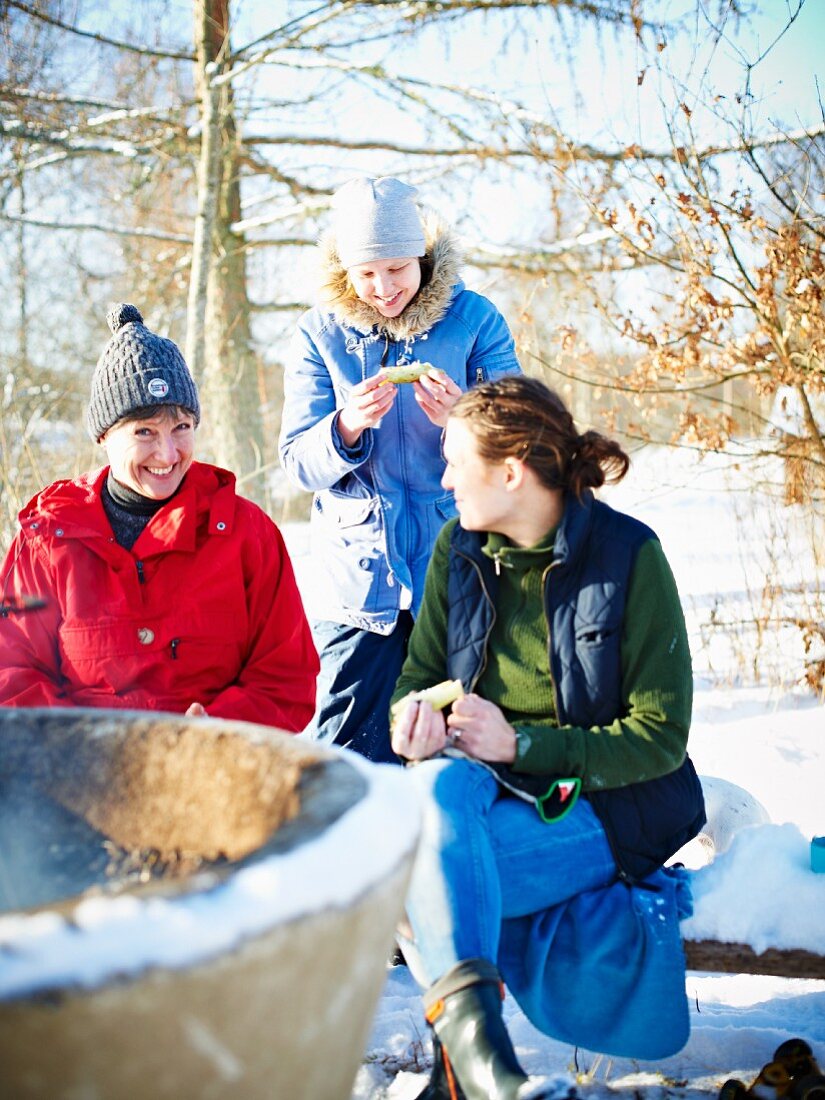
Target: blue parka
point(378, 507)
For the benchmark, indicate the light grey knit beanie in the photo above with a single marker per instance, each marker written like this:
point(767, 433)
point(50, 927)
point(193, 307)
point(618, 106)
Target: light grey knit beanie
point(376, 219)
point(137, 369)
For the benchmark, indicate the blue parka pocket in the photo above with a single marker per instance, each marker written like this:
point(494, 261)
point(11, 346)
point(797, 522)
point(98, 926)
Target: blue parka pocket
point(341, 510)
point(348, 543)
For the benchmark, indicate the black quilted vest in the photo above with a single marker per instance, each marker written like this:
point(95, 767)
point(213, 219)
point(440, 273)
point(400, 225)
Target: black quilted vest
point(584, 595)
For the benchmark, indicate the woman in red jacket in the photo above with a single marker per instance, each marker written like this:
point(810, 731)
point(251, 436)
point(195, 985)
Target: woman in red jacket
point(162, 588)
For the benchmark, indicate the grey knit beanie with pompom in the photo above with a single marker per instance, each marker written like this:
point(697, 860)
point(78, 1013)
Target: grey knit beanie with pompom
point(137, 369)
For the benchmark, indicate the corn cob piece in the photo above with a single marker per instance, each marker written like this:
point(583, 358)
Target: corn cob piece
point(438, 696)
point(409, 372)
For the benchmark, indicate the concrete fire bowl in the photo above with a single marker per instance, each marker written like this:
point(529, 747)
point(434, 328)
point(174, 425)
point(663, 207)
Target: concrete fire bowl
point(190, 908)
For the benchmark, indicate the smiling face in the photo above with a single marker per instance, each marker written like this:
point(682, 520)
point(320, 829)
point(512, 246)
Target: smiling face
point(387, 285)
point(152, 456)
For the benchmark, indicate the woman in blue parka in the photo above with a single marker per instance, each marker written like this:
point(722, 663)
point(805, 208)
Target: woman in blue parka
point(369, 448)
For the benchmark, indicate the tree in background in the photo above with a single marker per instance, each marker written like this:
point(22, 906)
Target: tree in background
point(730, 341)
point(715, 296)
point(207, 167)
point(675, 288)
point(704, 263)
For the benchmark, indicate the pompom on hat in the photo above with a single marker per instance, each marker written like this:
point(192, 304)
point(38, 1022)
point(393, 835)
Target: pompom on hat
point(136, 370)
point(376, 219)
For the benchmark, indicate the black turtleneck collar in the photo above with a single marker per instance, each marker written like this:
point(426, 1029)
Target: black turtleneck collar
point(129, 512)
point(130, 501)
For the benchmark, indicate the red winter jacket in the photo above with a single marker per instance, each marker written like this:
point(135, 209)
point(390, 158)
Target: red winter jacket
point(203, 608)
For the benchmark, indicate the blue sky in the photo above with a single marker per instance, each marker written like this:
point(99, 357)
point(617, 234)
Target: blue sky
point(584, 78)
point(587, 75)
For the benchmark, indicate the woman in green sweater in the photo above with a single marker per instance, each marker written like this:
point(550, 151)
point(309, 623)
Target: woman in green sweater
point(560, 618)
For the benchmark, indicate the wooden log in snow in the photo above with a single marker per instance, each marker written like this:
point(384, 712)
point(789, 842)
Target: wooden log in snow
point(740, 958)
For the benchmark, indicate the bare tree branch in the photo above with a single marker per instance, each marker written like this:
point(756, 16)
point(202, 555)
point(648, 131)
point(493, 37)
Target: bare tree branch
point(536, 125)
point(301, 21)
point(34, 13)
point(98, 227)
point(237, 69)
point(501, 152)
point(605, 11)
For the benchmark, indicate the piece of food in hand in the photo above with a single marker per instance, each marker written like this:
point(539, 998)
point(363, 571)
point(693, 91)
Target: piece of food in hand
point(409, 372)
point(438, 696)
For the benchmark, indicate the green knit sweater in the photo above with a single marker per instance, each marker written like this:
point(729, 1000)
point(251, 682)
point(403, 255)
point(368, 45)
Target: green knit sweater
point(647, 740)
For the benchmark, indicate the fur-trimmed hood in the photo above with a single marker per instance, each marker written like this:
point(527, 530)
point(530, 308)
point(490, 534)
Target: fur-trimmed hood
point(428, 306)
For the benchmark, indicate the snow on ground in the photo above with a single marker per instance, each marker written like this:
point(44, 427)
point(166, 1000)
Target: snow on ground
point(762, 892)
point(762, 738)
point(765, 735)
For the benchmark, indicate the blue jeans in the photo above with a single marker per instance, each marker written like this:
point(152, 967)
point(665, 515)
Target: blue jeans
point(359, 671)
point(486, 855)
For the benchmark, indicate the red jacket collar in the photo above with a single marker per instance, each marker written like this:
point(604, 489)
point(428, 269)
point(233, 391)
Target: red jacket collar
point(74, 508)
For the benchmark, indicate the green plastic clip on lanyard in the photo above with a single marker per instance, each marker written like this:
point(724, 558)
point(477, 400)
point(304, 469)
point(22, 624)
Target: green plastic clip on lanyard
point(559, 799)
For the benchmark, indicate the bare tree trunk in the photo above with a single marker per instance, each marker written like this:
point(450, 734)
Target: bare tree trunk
point(231, 363)
point(219, 339)
point(208, 183)
point(22, 280)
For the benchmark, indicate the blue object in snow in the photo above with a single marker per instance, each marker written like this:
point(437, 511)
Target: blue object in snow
point(606, 970)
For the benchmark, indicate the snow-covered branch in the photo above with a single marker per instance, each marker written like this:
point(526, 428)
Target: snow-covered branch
point(13, 93)
point(74, 142)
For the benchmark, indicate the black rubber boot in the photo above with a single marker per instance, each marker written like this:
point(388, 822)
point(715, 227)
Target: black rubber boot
point(475, 1059)
point(442, 1084)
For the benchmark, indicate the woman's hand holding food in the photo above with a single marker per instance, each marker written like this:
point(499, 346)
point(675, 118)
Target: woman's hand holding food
point(436, 393)
point(481, 730)
point(368, 402)
point(475, 725)
point(418, 731)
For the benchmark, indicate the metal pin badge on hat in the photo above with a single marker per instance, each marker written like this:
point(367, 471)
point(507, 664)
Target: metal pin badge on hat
point(158, 387)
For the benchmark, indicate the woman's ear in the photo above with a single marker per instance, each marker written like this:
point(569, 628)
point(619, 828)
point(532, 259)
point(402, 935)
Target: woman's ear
point(513, 473)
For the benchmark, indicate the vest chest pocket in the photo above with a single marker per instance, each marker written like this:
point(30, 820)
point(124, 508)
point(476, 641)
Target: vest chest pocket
point(594, 695)
point(597, 618)
point(594, 636)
